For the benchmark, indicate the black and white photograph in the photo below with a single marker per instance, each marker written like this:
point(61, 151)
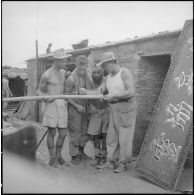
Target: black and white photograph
point(97, 97)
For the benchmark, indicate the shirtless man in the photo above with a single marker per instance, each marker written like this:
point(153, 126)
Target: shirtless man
point(55, 113)
point(6, 91)
point(122, 112)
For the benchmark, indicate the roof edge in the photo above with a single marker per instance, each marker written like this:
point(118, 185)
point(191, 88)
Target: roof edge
point(126, 41)
point(147, 37)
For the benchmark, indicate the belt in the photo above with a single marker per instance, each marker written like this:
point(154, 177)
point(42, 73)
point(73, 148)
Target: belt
point(120, 100)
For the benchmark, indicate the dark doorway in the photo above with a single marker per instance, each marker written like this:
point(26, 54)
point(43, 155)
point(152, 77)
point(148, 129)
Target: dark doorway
point(151, 74)
point(17, 86)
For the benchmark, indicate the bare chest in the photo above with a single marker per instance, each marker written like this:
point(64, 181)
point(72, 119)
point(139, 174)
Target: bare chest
point(56, 79)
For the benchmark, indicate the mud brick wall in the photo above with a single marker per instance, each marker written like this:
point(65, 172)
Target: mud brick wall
point(32, 76)
point(150, 78)
point(32, 82)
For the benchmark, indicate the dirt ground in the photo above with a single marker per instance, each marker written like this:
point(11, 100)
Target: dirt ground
point(84, 178)
point(105, 181)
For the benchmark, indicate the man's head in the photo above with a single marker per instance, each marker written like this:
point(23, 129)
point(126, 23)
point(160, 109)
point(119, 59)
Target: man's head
point(110, 66)
point(108, 62)
point(82, 64)
point(97, 74)
point(60, 58)
point(4, 75)
point(60, 63)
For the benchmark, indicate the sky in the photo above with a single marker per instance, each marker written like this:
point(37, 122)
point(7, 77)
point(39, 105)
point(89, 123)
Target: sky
point(64, 23)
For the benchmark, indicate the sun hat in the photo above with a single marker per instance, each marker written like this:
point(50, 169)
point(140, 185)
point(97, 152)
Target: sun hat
point(60, 54)
point(106, 57)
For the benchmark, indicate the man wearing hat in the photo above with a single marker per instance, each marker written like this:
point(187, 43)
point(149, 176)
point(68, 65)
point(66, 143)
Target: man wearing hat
point(77, 110)
point(122, 108)
point(55, 113)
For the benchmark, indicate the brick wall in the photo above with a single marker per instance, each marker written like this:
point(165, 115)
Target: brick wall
point(150, 77)
point(32, 77)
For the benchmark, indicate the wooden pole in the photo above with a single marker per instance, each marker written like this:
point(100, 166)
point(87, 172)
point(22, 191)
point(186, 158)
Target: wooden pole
point(37, 84)
point(46, 97)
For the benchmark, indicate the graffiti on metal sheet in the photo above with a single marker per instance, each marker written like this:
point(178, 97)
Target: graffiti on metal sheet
point(179, 114)
point(163, 148)
point(184, 80)
point(190, 42)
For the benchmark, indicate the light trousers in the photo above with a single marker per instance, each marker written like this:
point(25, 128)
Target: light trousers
point(120, 133)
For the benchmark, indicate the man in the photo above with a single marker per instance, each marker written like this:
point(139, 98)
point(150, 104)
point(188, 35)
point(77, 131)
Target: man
point(98, 123)
point(77, 111)
point(121, 98)
point(6, 92)
point(48, 50)
point(55, 113)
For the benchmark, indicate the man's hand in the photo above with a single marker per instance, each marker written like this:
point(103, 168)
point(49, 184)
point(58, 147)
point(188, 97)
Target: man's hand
point(108, 97)
point(50, 100)
point(92, 109)
point(81, 108)
point(82, 91)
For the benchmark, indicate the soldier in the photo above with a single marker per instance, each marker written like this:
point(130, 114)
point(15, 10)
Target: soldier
point(122, 115)
point(6, 92)
point(48, 50)
point(55, 113)
point(98, 123)
point(77, 110)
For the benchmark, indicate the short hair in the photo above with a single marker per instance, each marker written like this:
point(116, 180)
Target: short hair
point(80, 59)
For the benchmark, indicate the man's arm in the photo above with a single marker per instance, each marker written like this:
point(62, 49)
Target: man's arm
point(128, 82)
point(7, 89)
point(10, 93)
point(100, 90)
point(69, 84)
point(42, 85)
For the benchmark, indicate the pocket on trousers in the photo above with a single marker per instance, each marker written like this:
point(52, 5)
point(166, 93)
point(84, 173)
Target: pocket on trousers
point(125, 117)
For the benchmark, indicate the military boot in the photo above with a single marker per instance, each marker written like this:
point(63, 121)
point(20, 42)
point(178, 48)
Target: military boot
point(103, 157)
point(76, 159)
point(96, 161)
point(60, 160)
point(103, 160)
point(52, 160)
point(82, 153)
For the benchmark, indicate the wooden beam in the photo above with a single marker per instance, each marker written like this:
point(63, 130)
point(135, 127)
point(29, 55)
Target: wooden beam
point(37, 98)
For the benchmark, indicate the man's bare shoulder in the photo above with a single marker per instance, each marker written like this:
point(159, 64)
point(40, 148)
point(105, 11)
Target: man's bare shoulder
point(5, 81)
point(46, 74)
point(126, 73)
